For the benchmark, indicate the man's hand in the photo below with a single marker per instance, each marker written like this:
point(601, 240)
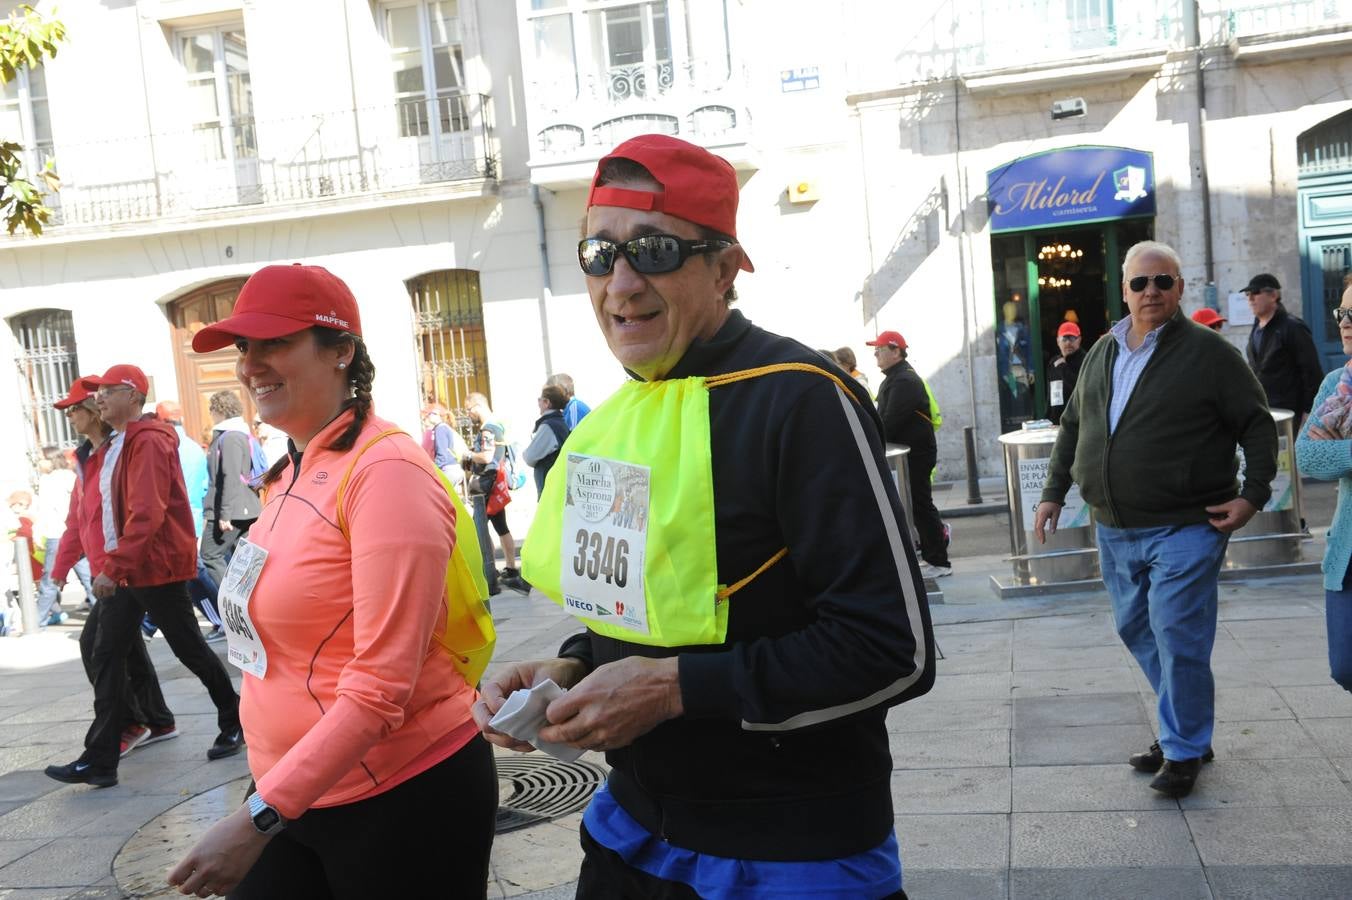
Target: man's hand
point(519, 677)
point(219, 861)
point(616, 704)
point(224, 525)
point(1045, 518)
point(104, 587)
point(1232, 516)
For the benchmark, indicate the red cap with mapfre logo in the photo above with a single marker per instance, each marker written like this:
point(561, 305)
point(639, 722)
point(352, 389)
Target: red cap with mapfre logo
point(888, 338)
point(78, 393)
point(126, 374)
point(282, 300)
point(696, 185)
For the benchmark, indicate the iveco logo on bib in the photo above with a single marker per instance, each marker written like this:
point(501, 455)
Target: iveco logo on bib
point(580, 606)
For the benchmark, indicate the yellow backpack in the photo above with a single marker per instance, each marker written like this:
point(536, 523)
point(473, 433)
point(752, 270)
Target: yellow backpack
point(469, 636)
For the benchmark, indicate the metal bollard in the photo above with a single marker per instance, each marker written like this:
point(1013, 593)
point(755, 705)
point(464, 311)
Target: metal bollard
point(28, 606)
point(973, 484)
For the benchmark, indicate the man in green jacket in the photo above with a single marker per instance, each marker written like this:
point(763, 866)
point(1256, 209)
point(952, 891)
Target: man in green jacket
point(1149, 435)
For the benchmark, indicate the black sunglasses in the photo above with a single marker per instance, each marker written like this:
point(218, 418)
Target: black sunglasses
point(651, 254)
point(1163, 282)
point(1341, 315)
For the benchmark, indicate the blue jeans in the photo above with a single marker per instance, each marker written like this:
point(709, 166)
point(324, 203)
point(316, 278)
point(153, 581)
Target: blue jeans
point(1162, 583)
point(49, 591)
point(1338, 614)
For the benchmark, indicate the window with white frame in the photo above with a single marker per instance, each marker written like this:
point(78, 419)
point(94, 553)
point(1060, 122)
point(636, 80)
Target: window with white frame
point(24, 112)
point(428, 60)
point(220, 98)
point(626, 48)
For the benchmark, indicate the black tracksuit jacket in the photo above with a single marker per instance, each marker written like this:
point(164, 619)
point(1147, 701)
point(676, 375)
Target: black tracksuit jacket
point(782, 752)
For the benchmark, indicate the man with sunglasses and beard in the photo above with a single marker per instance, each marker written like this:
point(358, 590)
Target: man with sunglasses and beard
point(743, 643)
point(1149, 435)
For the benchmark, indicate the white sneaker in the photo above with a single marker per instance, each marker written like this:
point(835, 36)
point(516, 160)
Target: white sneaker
point(929, 571)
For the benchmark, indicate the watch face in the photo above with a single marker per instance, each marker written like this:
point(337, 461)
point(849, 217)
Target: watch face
point(266, 820)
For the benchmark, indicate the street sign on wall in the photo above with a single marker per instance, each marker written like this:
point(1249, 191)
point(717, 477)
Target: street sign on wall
point(1073, 186)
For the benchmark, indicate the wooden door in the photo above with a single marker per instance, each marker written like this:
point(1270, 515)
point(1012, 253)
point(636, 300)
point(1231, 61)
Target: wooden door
point(202, 374)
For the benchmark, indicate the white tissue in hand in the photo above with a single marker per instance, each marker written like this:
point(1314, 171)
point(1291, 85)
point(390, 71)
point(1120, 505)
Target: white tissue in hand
point(523, 715)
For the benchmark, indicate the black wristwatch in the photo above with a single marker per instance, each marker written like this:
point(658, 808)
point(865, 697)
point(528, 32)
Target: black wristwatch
point(266, 819)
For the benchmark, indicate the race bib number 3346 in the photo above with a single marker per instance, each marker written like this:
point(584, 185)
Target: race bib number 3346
point(605, 524)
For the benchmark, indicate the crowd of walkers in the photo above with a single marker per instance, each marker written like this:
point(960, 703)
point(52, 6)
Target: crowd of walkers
point(683, 523)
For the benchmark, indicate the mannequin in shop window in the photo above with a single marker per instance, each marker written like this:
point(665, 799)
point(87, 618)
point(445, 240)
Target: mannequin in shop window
point(1013, 353)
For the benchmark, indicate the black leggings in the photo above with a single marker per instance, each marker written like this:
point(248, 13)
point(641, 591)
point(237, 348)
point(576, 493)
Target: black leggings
point(428, 837)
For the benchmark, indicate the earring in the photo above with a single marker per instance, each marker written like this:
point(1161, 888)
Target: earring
point(342, 365)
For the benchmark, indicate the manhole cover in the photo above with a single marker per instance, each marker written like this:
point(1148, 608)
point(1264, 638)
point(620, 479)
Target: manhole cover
point(535, 789)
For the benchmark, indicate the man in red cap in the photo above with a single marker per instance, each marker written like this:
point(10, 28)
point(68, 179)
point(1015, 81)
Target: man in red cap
point(904, 405)
point(739, 448)
point(151, 553)
point(1063, 370)
point(145, 718)
point(1210, 318)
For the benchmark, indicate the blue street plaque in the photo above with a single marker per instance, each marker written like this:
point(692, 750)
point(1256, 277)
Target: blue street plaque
point(1073, 186)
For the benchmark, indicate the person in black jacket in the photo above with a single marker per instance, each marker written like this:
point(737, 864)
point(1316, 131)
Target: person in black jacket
point(1281, 351)
point(1063, 371)
point(759, 765)
point(904, 406)
point(232, 504)
point(551, 430)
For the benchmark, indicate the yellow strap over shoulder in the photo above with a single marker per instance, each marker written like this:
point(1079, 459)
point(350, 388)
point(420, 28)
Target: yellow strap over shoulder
point(469, 636)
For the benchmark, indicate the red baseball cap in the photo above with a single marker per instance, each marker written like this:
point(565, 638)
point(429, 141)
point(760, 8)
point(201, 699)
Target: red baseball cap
point(281, 300)
point(888, 338)
point(119, 374)
point(696, 185)
point(78, 393)
point(1068, 328)
point(1208, 317)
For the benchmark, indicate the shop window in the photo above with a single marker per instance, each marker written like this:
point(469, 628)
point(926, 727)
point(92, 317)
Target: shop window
point(448, 328)
point(47, 364)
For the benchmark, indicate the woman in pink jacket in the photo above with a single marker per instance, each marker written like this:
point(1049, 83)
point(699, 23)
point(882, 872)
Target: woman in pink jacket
point(371, 778)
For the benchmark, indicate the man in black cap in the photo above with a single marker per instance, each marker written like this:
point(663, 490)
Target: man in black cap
point(1281, 351)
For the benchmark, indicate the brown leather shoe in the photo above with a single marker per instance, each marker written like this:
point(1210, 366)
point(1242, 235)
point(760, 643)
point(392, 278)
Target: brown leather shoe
point(1177, 777)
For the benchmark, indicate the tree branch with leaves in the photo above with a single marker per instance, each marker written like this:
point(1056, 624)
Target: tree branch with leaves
point(27, 37)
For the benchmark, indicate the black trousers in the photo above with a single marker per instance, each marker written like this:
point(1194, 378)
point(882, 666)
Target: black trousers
point(429, 837)
point(119, 625)
point(216, 545)
point(927, 521)
point(606, 876)
point(144, 703)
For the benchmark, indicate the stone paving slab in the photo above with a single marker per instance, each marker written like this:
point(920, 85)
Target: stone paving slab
point(1321, 701)
point(1063, 682)
point(1063, 711)
point(1250, 704)
point(1109, 883)
point(1234, 783)
point(963, 841)
point(924, 714)
point(949, 749)
point(975, 790)
point(1273, 836)
point(1087, 840)
point(1264, 740)
point(955, 884)
point(1084, 788)
point(1078, 745)
point(1269, 882)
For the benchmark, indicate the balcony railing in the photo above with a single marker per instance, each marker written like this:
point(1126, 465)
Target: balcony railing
point(965, 35)
point(1230, 20)
point(269, 163)
point(700, 99)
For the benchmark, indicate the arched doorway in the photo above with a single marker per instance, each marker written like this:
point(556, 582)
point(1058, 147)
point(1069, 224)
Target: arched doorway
point(1324, 154)
point(448, 322)
point(202, 374)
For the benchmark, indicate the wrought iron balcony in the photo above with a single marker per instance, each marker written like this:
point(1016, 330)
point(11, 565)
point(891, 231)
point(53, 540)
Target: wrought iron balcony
point(1243, 18)
point(271, 163)
point(700, 99)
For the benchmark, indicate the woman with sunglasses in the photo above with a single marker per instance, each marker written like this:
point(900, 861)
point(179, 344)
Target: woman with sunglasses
point(371, 779)
point(1324, 451)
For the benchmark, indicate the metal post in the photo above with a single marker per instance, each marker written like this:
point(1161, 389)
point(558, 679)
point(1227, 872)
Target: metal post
point(973, 483)
point(28, 607)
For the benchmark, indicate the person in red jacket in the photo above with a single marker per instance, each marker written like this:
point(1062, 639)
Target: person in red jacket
point(151, 546)
point(146, 719)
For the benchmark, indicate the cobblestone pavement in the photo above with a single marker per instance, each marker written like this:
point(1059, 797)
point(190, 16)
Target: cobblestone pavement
point(1010, 777)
